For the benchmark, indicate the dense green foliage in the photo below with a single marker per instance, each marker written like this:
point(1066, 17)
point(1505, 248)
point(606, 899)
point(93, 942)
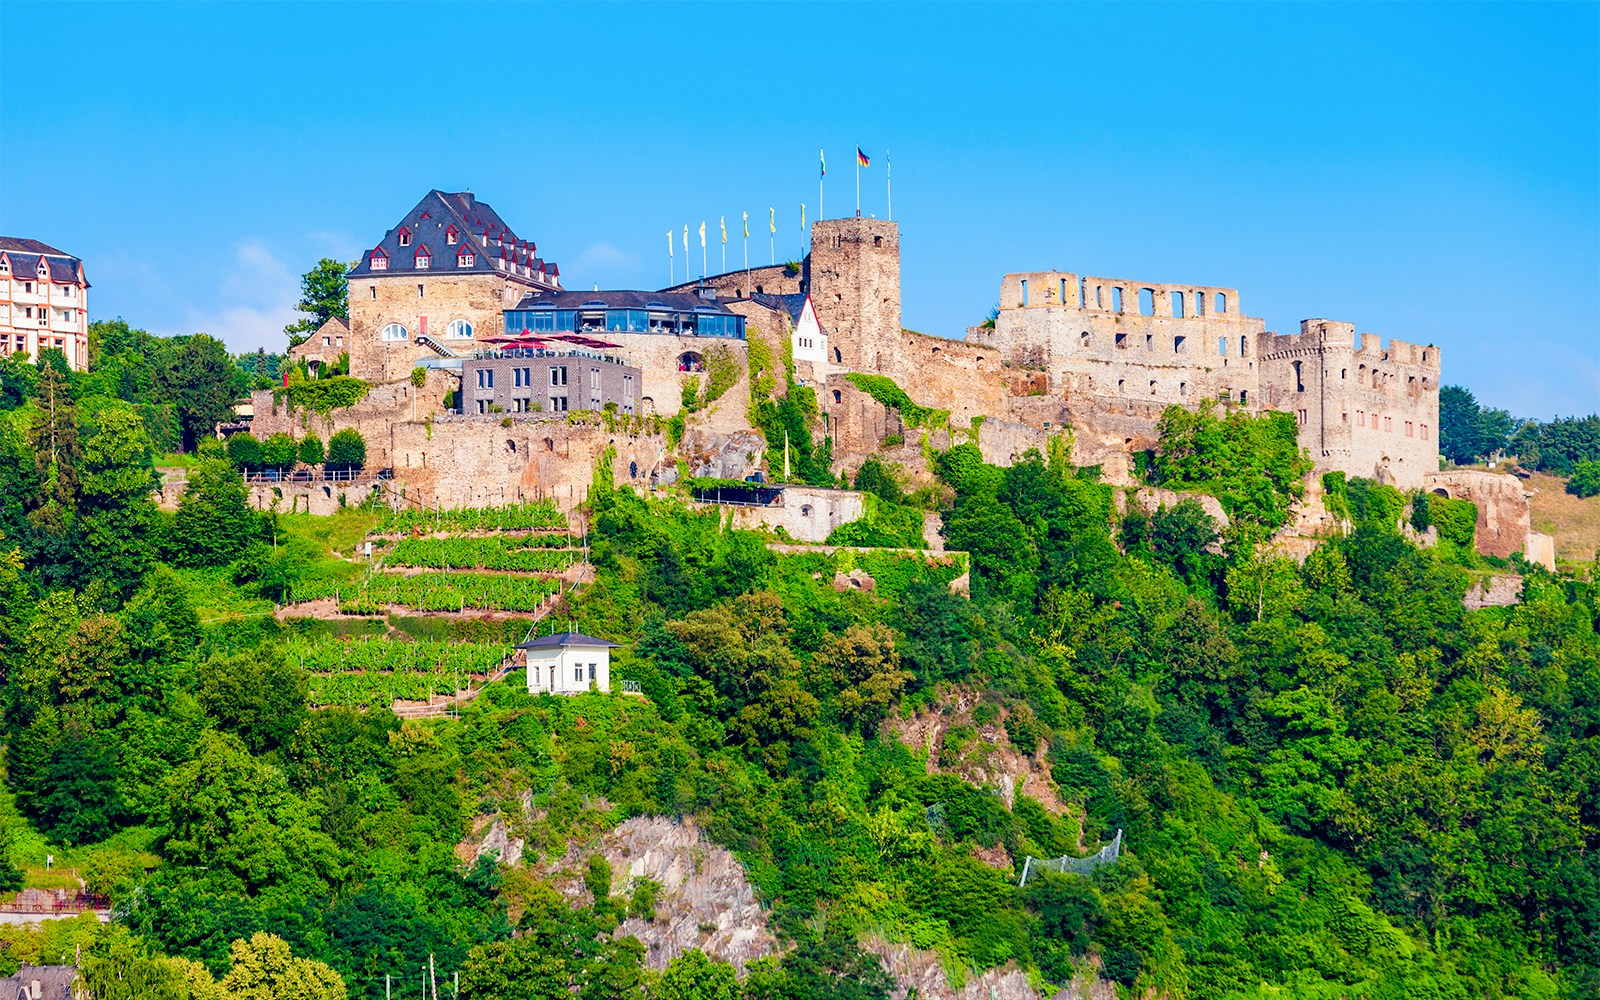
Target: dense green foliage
point(1331, 778)
point(887, 392)
point(1469, 432)
point(324, 294)
point(323, 395)
point(1585, 479)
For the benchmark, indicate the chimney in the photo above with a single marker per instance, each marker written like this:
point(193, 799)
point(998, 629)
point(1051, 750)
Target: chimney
point(36, 990)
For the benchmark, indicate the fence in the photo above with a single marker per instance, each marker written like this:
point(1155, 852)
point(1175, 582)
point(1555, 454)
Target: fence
point(1077, 866)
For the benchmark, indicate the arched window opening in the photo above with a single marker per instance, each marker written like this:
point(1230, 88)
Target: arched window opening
point(1116, 300)
point(1083, 340)
point(1147, 302)
point(1177, 304)
point(805, 510)
point(690, 361)
point(1299, 383)
point(394, 331)
point(511, 446)
point(1221, 302)
point(838, 358)
point(458, 329)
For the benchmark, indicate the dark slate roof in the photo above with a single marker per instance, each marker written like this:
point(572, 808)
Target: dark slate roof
point(623, 299)
point(793, 304)
point(55, 982)
point(565, 639)
point(24, 255)
point(477, 227)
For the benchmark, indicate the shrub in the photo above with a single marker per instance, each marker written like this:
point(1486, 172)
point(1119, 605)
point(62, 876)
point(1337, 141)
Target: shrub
point(347, 449)
point(279, 451)
point(311, 450)
point(245, 452)
point(323, 395)
point(419, 375)
point(1585, 479)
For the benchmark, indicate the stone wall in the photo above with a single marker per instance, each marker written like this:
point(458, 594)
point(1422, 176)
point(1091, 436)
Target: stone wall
point(1371, 411)
point(1503, 518)
point(657, 356)
point(853, 273)
point(556, 383)
point(1122, 339)
point(775, 279)
point(377, 301)
point(806, 513)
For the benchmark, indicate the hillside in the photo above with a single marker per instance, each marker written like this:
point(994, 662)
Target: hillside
point(297, 771)
point(1573, 522)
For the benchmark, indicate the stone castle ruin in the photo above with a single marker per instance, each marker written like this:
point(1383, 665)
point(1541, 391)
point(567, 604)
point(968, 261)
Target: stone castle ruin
point(1104, 356)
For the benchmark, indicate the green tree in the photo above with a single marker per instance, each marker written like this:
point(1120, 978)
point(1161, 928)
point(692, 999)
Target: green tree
point(116, 512)
point(214, 522)
point(245, 451)
point(693, 976)
point(265, 968)
point(311, 450)
point(324, 294)
point(198, 376)
point(1585, 478)
point(347, 450)
point(279, 451)
point(259, 696)
point(11, 877)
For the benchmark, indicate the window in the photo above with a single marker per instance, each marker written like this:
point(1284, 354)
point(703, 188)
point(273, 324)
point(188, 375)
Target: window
point(1149, 342)
point(458, 329)
point(627, 388)
point(1388, 425)
point(1424, 430)
point(1344, 417)
point(1063, 291)
point(1408, 428)
point(1183, 388)
point(464, 259)
point(558, 374)
point(450, 236)
point(1242, 351)
point(594, 379)
point(518, 379)
point(1122, 386)
point(1361, 418)
point(483, 406)
point(592, 671)
point(338, 341)
point(1083, 340)
point(1244, 396)
point(1024, 291)
point(27, 286)
point(1152, 387)
point(379, 263)
point(423, 260)
point(1221, 302)
point(374, 290)
point(1122, 341)
point(485, 378)
point(558, 404)
point(405, 236)
point(394, 331)
point(1177, 344)
point(327, 341)
point(1222, 346)
point(419, 291)
point(577, 673)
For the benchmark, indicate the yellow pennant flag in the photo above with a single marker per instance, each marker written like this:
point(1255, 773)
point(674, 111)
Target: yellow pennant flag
point(702, 234)
point(724, 224)
point(772, 220)
point(686, 238)
point(669, 243)
point(802, 218)
point(746, 225)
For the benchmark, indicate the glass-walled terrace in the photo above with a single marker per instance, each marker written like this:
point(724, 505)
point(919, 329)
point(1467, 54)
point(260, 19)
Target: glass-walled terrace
point(550, 320)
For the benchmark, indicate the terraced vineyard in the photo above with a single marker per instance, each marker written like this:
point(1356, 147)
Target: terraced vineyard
point(368, 669)
point(543, 514)
point(481, 553)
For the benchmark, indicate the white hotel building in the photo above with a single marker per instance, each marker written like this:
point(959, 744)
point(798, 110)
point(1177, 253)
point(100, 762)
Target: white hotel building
point(44, 301)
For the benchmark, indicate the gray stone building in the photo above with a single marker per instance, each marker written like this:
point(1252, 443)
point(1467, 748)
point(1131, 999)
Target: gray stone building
point(523, 380)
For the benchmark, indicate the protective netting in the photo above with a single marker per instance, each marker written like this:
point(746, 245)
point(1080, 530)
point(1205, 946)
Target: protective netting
point(1078, 866)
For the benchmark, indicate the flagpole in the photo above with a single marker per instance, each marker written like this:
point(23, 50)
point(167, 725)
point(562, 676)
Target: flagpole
point(858, 182)
point(672, 268)
point(888, 183)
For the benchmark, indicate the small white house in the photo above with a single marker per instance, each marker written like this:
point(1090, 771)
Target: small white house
point(568, 663)
point(809, 340)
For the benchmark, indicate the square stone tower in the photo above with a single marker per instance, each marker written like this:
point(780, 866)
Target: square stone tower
point(854, 279)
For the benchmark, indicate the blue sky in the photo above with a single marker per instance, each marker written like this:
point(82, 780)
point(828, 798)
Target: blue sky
point(1429, 172)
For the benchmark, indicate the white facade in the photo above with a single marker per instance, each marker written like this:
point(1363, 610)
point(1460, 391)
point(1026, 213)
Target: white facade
point(44, 302)
point(810, 343)
point(569, 668)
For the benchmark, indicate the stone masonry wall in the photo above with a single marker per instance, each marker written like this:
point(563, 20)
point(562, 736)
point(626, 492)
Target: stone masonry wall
point(853, 272)
point(1371, 411)
point(1503, 517)
point(375, 302)
point(769, 279)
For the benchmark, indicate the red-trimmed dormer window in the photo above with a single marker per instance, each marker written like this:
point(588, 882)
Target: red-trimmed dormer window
point(5, 264)
point(379, 260)
point(405, 236)
point(424, 259)
point(464, 258)
point(450, 235)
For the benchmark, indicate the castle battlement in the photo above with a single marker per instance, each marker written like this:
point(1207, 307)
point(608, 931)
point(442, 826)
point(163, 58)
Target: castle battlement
point(1119, 296)
point(1322, 336)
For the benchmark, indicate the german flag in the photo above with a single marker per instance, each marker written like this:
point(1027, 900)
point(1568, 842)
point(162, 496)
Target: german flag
point(861, 158)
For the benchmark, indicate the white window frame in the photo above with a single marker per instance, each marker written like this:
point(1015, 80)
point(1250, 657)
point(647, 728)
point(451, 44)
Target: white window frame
point(394, 333)
point(458, 329)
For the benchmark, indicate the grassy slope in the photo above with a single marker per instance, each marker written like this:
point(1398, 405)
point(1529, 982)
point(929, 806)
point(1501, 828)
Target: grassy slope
point(1575, 523)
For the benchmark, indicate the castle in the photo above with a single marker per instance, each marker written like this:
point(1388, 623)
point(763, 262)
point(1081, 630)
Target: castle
point(453, 290)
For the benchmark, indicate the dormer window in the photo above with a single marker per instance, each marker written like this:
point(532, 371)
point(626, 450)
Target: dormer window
point(464, 259)
point(405, 236)
point(379, 260)
point(423, 259)
point(450, 236)
point(44, 272)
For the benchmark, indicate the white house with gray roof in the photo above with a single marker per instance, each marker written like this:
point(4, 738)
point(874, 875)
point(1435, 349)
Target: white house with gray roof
point(568, 663)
